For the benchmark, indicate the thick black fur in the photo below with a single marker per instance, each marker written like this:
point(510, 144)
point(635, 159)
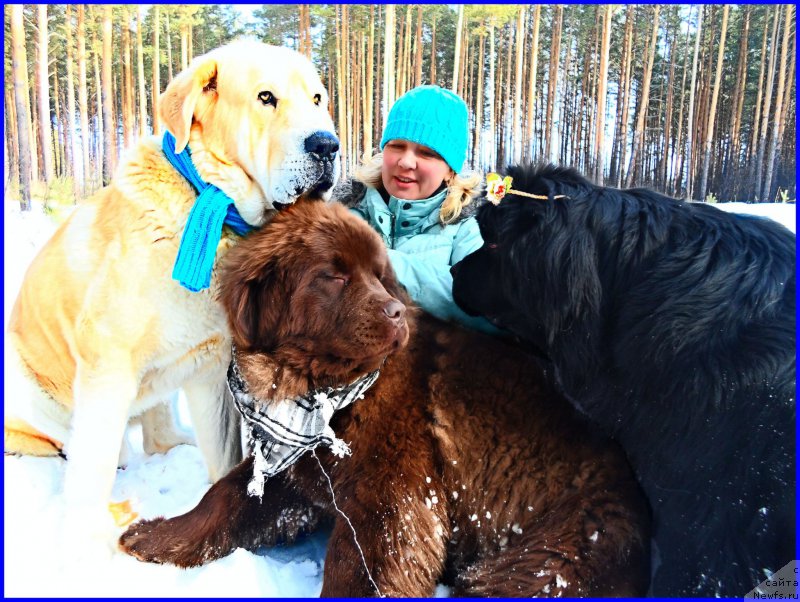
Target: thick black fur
point(672, 325)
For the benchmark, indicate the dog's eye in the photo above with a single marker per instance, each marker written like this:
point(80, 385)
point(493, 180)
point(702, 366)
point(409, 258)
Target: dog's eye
point(337, 279)
point(268, 98)
point(317, 99)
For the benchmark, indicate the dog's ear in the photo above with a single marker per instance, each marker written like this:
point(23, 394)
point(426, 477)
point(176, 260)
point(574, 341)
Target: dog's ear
point(177, 104)
point(249, 296)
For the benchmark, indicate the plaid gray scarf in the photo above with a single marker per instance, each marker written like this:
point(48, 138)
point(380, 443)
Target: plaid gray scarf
point(281, 431)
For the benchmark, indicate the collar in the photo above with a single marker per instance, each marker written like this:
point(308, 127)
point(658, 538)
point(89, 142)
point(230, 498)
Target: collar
point(280, 431)
point(400, 217)
point(203, 229)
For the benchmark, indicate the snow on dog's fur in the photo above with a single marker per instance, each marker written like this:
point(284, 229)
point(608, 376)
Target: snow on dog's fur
point(100, 332)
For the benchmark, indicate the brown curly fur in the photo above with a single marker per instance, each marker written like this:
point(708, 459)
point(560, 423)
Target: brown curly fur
point(467, 468)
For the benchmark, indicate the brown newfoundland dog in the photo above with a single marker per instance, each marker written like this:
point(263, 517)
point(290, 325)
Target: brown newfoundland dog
point(466, 468)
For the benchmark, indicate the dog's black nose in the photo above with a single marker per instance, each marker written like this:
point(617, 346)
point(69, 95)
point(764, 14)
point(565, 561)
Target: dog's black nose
point(322, 144)
point(394, 310)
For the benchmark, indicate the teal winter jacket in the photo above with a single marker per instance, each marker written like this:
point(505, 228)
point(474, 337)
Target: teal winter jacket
point(422, 249)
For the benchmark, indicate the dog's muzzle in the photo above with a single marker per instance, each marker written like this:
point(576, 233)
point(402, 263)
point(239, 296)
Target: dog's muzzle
point(322, 147)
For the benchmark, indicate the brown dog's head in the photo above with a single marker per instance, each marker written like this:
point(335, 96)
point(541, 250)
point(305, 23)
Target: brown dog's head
point(314, 290)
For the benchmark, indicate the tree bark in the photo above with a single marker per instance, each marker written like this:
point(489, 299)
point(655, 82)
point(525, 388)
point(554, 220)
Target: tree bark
point(45, 134)
point(75, 163)
point(690, 119)
point(516, 143)
point(418, 49)
point(776, 127)
point(156, 69)
point(492, 93)
point(552, 75)
point(602, 86)
point(19, 68)
point(110, 162)
point(369, 108)
point(534, 66)
point(713, 111)
point(623, 101)
point(457, 56)
point(169, 46)
point(127, 92)
point(83, 100)
point(640, 122)
point(433, 50)
point(765, 113)
point(140, 72)
point(388, 64)
point(476, 146)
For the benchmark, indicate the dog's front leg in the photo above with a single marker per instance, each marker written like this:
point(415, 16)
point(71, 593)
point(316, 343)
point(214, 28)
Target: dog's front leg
point(398, 548)
point(225, 519)
point(103, 398)
point(215, 420)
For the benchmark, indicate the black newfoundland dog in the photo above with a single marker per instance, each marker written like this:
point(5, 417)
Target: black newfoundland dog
point(672, 325)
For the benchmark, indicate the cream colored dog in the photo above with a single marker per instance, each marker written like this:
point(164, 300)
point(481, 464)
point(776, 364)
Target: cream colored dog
point(100, 330)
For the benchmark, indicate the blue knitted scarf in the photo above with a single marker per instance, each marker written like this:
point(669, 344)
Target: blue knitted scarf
point(203, 229)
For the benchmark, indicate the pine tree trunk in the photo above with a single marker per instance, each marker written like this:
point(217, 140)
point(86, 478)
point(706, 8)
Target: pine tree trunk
point(534, 66)
point(457, 55)
point(516, 144)
point(757, 121)
point(787, 102)
point(169, 46)
point(76, 166)
point(100, 136)
point(714, 97)
point(640, 122)
point(388, 64)
point(55, 135)
point(156, 69)
point(127, 96)
point(399, 87)
point(12, 138)
point(83, 101)
point(418, 49)
point(766, 192)
point(690, 120)
point(676, 161)
point(765, 113)
point(110, 163)
point(368, 96)
point(552, 75)
point(45, 140)
point(341, 100)
point(664, 155)
point(737, 105)
point(434, 56)
point(184, 29)
point(140, 72)
point(602, 86)
point(492, 94)
point(19, 68)
point(477, 159)
point(407, 53)
point(623, 101)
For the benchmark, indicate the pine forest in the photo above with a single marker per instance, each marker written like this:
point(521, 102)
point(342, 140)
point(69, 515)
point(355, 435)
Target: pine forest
point(697, 101)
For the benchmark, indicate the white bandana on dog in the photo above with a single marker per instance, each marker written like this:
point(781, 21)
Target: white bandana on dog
point(281, 431)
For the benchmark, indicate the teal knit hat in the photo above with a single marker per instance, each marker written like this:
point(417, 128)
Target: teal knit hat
point(433, 117)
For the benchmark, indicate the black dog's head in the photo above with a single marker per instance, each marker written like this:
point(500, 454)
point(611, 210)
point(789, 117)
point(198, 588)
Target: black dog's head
point(536, 273)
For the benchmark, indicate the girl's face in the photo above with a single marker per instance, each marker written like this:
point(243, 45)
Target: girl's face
point(411, 171)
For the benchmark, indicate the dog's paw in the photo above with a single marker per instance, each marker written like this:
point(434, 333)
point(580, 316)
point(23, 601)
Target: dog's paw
point(159, 541)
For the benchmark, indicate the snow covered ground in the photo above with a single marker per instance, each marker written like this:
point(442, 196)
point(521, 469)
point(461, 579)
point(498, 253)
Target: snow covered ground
point(36, 563)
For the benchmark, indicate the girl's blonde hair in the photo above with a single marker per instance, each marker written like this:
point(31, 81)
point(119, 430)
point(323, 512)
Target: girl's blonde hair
point(461, 188)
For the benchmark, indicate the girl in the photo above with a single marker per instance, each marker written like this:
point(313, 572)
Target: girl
point(413, 195)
